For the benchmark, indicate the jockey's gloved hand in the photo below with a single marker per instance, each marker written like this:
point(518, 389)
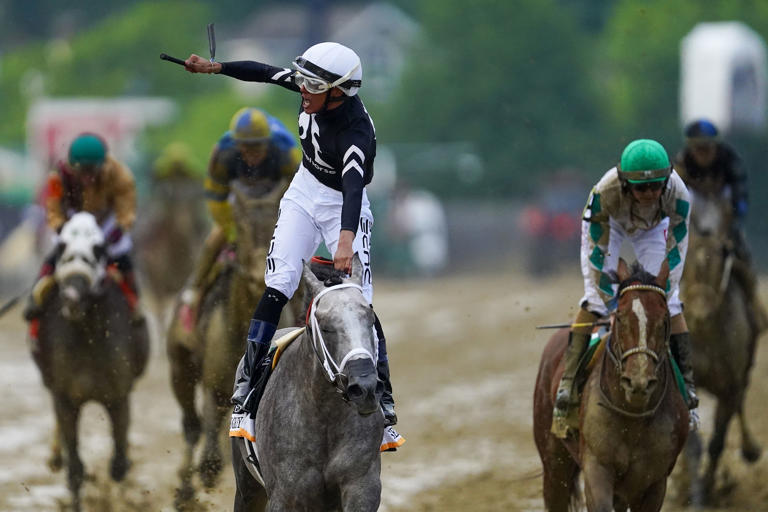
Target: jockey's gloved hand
point(114, 236)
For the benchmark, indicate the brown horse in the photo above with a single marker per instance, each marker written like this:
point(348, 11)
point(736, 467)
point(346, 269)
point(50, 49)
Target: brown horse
point(210, 355)
point(633, 422)
point(723, 337)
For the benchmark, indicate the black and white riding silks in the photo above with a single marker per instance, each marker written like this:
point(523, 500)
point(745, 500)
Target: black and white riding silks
point(327, 194)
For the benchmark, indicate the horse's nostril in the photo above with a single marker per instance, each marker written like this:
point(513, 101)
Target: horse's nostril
point(626, 382)
point(354, 391)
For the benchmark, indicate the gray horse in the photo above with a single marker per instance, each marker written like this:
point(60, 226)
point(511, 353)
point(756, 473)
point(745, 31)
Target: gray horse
point(319, 425)
point(93, 349)
point(724, 339)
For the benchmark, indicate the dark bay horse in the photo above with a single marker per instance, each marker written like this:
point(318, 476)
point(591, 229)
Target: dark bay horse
point(319, 427)
point(724, 340)
point(93, 349)
point(633, 421)
point(168, 234)
point(209, 356)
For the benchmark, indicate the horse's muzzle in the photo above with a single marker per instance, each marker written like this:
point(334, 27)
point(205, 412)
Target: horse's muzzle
point(638, 389)
point(363, 386)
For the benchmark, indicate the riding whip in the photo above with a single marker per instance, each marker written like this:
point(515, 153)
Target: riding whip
point(211, 48)
point(582, 324)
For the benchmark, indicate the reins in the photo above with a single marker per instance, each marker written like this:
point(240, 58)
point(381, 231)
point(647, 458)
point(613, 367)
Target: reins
point(333, 371)
point(619, 361)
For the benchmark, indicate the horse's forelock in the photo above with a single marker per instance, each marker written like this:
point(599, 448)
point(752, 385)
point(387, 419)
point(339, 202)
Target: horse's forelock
point(637, 275)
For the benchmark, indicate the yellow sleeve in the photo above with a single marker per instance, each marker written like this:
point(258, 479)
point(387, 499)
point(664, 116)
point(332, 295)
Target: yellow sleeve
point(221, 211)
point(292, 163)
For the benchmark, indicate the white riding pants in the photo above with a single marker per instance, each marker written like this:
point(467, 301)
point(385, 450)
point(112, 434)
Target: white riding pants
point(310, 213)
point(650, 247)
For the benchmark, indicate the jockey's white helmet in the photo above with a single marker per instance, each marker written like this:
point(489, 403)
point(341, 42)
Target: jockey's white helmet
point(329, 65)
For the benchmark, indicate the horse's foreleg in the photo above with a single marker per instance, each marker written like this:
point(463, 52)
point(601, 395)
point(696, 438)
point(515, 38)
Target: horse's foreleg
point(560, 477)
point(750, 448)
point(723, 414)
point(119, 413)
point(364, 493)
point(56, 461)
point(598, 485)
point(67, 415)
point(185, 374)
point(689, 485)
point(249, 494)
point(211, 461)
point(653, 498)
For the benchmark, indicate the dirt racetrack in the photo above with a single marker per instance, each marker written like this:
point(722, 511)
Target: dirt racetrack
point(464, 355)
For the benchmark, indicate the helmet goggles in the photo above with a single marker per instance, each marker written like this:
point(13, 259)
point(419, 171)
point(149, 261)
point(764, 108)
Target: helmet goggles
point(325, 80)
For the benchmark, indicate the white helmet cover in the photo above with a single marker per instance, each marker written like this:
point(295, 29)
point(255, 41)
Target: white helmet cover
point(331, 62)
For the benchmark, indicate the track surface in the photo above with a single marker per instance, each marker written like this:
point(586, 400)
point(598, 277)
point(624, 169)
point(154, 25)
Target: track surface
point(464, 355)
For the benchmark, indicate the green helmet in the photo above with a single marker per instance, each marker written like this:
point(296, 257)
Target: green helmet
point(644, 160)
point(87, 149)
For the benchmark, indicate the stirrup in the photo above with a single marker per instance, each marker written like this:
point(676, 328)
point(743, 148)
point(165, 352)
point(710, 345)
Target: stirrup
point(563, 395)
point(694, 422)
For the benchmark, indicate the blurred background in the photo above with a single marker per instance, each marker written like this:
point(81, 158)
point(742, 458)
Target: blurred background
point(493, 118)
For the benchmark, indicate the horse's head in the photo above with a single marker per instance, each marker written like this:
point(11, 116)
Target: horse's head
point(340, 323)
point(640, 332)
point(255, 215)
point(710, 258)
point(81, 263)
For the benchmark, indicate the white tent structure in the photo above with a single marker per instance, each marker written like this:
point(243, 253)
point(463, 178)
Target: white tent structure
point(723, 76)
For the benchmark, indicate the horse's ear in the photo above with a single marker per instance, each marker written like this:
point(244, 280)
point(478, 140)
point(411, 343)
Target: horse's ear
point(622, 271)
point(357, 269)
point(312, 284)
point(663, 276)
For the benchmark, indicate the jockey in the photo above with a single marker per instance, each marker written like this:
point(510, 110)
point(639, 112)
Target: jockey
point(326, 199)
point(95, 182)
point(643, 201)
point(259, 151)
point(706, 162)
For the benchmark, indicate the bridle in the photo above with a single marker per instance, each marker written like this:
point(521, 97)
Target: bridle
point(619, 361)
point(332, 370)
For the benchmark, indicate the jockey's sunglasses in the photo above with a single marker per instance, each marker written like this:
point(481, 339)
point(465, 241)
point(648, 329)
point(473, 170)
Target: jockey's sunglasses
point(648, 185)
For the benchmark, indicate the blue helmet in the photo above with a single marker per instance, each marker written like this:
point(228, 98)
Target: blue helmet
point(701, 129)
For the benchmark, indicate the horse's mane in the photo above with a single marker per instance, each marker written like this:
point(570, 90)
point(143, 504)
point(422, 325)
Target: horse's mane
point(324, 271)
point(637, 275)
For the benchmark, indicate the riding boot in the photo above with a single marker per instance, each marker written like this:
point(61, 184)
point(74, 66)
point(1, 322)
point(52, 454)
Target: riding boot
point(680, 344)
point(577, 344)
point(38, 297)
point(251, 378)
point(387, 401)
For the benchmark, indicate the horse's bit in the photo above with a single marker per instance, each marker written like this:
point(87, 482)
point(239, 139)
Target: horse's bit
point(333, 371)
